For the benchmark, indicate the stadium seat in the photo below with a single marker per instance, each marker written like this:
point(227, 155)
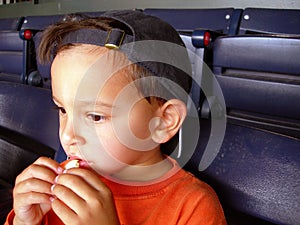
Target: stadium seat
point(222, 20)
point(204, 24)
point(28, 130)
point(40, 22)
point(265, 65)
point(28, 119)
point(36, 74)
point(270, 21)
point(11, 47)
point(257, 169)
point(11, 23)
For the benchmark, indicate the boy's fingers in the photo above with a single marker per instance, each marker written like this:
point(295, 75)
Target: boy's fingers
point(72, 200)
point(80, 191)
point(38, 172)
point(79, 187)
point(91, 178)
point(30, 198)
point(50, 163)
point(68, 215)
point(83, 183)
point(44, 169)
point(33, 185)
point(31, 206)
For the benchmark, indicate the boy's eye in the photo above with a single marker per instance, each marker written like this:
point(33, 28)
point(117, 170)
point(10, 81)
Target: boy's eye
point(96, 117)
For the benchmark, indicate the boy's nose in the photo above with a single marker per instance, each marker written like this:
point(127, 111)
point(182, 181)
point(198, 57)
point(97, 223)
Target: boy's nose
point(69, 136)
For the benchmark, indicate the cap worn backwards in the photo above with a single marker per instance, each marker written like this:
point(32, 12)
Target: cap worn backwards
point(151, 43)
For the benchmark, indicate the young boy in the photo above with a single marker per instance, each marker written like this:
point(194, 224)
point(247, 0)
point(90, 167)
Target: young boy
point(121, 99)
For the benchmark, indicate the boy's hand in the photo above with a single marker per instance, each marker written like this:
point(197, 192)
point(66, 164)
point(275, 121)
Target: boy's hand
point(81, 198)
point(32, 191)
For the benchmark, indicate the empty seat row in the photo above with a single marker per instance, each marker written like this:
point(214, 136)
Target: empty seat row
point(223, 21)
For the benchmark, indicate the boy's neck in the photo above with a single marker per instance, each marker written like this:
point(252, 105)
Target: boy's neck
point(143, 173)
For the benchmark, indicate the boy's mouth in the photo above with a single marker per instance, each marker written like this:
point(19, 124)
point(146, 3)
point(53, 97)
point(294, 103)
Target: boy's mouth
point(74, 163)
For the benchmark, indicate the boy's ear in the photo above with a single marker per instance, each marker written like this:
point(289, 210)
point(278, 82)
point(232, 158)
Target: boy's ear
point(171, 116)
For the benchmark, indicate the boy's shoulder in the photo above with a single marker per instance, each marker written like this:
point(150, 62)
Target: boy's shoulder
point(189, 183)
point(195, 199)
point(183, 183)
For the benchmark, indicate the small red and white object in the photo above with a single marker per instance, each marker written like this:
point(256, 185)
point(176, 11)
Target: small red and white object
point(71, 163)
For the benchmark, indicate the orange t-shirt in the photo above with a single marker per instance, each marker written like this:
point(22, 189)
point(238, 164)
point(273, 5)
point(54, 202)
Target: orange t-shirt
point(177, 198)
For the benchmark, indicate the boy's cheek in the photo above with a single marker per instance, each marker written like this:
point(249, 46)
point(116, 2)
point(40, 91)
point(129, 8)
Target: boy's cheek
point(139, 127)
point(139, 121)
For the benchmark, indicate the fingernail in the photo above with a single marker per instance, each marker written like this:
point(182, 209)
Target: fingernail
point(56, 179)
point(52, 188)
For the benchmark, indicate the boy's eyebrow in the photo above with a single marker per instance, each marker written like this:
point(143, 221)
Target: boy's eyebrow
point(96, 102)
point(88, 102)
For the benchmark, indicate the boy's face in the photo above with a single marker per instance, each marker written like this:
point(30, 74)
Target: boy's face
point(103, 118)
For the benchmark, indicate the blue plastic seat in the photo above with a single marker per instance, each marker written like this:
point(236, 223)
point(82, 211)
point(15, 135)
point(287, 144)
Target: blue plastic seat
point(270, 21)
point(11, 47)
point(40, 22)
point(28, 130)
point(205, 25)
point(28, 127)
point(258, 166)
point(11, 23)
point(267, 66)
point(11, 57)
point(36, 74)
point(223, 20)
